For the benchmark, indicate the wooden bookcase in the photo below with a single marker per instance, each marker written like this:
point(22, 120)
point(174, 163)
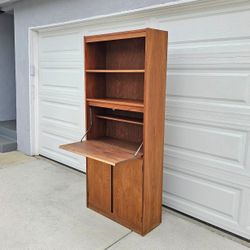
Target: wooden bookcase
point(125, 105)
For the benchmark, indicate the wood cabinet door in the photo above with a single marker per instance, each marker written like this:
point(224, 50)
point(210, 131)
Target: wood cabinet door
point(99, 185)
point(127, 193)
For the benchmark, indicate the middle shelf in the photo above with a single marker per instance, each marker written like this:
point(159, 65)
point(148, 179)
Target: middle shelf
point(115, 103)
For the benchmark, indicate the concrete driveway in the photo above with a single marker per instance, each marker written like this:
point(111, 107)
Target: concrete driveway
point(43, 206)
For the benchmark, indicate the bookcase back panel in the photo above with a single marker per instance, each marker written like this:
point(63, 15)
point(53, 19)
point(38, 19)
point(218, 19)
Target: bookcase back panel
point(124, 131)
point(128, 86)
point(125, 54)
point(119, 54)
point(123, 113)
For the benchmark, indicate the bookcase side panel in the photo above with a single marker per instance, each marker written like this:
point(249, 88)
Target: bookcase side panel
point(154, 113)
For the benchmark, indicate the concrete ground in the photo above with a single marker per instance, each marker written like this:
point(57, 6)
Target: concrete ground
point(42, 206)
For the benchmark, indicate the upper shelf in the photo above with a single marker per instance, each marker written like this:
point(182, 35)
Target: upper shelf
point(119, 104)
point(107, 150)
point(115, 70)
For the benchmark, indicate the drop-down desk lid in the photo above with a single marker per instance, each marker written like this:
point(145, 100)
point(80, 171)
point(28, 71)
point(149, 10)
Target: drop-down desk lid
point(105, 149)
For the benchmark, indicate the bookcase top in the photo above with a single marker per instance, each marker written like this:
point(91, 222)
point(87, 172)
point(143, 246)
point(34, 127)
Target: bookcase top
point(140, 33)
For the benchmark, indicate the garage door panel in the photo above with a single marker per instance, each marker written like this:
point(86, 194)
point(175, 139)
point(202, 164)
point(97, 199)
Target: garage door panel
point(61, 106)
point(199, 162)
point(210, 86)
point(51, 139)
point(210, 54)
point(62, 64)
point(215, 142)
point(60, 91)
point(228, 116)
point(62, 78)
point(49, 147)
point(207, 25)
point(58, 56)
point(60, 129)
point(199, 211)
point(231, 120)
point(213, 170)
point(60, 42)
point(61, 123)
point(61, 157)
point(232, 110)
point(67, 114)
point(223, 201)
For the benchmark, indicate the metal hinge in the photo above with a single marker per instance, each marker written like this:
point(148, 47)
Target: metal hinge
point(138, 150)
point(91, 124)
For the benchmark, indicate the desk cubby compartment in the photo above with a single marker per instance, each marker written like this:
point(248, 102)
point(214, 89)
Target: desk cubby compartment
point(121, 125)
point(125, 78)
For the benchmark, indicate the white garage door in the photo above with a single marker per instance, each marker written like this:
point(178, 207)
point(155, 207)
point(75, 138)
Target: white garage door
point(60, 90)
point(207, 146)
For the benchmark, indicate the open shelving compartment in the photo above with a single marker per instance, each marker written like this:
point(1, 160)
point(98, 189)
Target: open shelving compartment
point(114, 72)
point(119, 68)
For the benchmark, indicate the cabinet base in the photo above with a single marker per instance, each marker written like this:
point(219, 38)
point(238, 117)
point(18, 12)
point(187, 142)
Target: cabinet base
point(111, 216)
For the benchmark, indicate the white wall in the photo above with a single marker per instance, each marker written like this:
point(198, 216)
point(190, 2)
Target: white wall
point(30, 13)
point(7, 69)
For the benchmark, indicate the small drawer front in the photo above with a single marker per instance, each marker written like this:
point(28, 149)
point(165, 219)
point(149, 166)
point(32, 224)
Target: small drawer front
point(99, 185)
